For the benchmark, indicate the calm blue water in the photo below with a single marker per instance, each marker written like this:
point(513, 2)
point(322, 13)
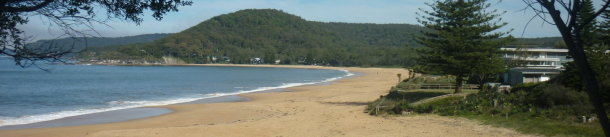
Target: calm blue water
point(32, 95)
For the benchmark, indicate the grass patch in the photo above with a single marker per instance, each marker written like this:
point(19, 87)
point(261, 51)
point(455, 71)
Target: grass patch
point(448, 91)
point(413, 96)
point(397, 97)
point(541, 126)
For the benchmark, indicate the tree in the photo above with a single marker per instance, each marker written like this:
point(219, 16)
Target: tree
point(588, 31)
point(604, 28)
point(599, 61)
point(269, 57)
point(463, 40)
point(67, 15)
point(572, 25)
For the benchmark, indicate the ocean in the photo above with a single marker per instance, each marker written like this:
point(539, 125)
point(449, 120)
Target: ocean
point(30, 95)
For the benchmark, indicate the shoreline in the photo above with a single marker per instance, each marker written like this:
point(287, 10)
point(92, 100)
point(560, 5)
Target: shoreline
point(157, 110)
point(120, 115)
point(311, 110)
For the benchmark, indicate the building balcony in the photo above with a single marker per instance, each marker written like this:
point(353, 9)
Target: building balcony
point(536, 50)
point(535, 59)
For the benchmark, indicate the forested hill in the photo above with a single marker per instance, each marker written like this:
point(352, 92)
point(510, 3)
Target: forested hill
point(272, 35)
point(80, 43)
point(545, 42)
point(275, 35)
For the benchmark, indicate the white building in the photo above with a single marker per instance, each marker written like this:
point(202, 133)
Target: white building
point(537, 64)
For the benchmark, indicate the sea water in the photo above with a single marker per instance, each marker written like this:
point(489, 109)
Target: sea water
point(29, 95)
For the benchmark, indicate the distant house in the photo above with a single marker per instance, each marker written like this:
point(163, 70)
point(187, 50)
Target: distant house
point(256, 60)
point(537, 64)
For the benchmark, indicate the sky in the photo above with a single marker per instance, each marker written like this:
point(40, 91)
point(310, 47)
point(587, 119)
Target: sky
point(351, 11)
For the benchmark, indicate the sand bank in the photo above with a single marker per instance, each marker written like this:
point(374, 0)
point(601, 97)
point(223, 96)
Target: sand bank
point(315, 110)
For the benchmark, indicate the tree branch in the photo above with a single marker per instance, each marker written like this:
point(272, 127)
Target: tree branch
point(25, 8)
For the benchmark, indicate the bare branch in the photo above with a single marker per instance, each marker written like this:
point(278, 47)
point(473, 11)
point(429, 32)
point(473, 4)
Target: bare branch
point(540, 12)
point(528, 23)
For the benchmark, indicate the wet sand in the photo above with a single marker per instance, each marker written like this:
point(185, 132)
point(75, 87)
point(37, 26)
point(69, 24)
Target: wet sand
point(316, 110)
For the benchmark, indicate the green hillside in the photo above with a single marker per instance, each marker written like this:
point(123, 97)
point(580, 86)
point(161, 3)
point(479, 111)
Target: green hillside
point(272, 34)
point(79, 43)
point(545, 42)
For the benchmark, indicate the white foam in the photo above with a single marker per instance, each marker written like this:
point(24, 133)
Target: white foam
point(51, 116)
point(119, 104)
point(115, 105)
point(348, 74)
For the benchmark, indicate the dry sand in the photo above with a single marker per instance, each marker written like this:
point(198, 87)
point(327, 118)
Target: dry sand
point(316, 110)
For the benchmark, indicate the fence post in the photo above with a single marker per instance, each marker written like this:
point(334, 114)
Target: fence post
point(399, 77)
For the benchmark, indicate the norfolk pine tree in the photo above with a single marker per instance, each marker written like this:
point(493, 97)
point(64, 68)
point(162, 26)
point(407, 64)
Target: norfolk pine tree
point(604, 28)
point(462, 40)
point(589, 31)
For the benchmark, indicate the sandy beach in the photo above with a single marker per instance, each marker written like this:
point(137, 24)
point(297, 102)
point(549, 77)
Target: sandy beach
point(314, 110)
